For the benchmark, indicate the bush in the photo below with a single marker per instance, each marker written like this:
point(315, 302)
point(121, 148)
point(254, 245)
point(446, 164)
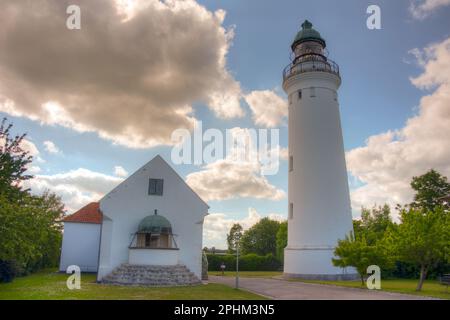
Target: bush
point(406, 270)
point(8, 270)
point(248, 262)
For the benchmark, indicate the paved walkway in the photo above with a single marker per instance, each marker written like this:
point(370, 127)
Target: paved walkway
point(294, 290)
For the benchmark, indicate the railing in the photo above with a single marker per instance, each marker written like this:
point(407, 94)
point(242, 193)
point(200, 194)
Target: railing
point(310, 64)
point(135, 244)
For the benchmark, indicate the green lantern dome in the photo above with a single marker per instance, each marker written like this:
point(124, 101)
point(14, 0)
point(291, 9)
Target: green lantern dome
point(155, 224)
point(308, 33)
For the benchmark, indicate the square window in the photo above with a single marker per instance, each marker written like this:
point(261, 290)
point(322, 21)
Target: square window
point(155, 187)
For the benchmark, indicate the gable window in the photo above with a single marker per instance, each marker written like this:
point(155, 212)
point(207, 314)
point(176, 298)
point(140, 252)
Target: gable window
point(155, 187)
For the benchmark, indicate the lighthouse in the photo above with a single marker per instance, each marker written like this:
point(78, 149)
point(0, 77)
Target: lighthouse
point(319, 211)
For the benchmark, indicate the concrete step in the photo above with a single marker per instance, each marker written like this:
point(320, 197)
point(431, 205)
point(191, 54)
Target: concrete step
point(152, 275)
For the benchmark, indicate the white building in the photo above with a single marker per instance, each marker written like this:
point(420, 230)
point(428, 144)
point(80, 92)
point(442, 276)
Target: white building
point(319, 211)
point(152, 222)
point(81, 239)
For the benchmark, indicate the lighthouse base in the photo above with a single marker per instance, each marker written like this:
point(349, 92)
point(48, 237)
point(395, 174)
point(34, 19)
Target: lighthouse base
point(314, 263)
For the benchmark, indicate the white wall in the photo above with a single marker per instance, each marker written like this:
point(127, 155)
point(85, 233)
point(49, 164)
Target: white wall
point(318, 185)
point(157, 257)
point(80, 246)
point(129, 203)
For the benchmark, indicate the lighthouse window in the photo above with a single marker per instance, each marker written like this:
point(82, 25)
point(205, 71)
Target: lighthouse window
point(313, 92)
point(291, 210)
point(299, 94)
point(291, 163)
point(290, 99)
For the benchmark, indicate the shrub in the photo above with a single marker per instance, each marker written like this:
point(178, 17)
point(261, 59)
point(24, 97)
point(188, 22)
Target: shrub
point(8, 270)
point(248, 262)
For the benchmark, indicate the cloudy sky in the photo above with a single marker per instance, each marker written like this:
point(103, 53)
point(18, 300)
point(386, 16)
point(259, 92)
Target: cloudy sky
point(99, 102)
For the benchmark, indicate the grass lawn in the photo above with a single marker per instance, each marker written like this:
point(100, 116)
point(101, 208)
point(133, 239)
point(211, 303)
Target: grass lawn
point(48, 285)
point(430, 288)
point(248, 274)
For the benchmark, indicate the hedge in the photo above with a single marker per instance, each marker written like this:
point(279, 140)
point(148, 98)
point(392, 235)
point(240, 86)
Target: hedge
point(8, 270)
point(249, 262)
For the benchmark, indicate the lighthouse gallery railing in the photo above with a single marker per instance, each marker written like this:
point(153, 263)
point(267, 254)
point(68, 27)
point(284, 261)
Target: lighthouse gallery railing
point(310, 64)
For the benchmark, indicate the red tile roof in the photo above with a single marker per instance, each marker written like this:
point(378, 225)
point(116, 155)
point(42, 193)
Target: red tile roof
point(88, 214)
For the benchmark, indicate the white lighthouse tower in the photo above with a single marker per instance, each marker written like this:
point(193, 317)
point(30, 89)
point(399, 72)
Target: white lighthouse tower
point(319, 201)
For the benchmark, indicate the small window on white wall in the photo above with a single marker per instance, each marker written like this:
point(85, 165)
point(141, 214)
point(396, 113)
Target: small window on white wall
point(299, 94)
point(313, 92)
point(291, 163)
point(155, 187)
point(291, 210)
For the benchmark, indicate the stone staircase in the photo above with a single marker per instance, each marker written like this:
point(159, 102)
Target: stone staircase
point(152, 275)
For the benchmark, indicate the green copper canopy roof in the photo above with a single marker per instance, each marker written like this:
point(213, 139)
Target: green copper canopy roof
point(308, 33)
point(155, 224)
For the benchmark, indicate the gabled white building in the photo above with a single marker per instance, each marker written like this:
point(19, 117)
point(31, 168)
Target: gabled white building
point(81, 239)
point(151, 220)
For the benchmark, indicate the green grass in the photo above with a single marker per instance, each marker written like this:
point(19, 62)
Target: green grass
point(49, 285)
point(248, 274)
point(431, 288)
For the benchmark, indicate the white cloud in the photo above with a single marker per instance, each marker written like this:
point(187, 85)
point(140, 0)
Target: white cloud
point(236, 176)
point(420, 9)
point(30, 147)
point(228, 179)
point(76, 187)
point(284, 153)
point(131, 74)
point(388, 161)
point(120, 171)
point(34, 170)
point(268, 108)
point(51, 147)
point(217, 225)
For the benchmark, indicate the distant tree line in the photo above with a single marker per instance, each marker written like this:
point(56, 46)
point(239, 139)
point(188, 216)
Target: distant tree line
point(265, 237)
point(260, 247)
point(30, 227)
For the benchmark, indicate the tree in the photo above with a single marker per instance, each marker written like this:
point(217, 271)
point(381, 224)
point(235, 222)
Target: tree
point(423, 238)
point(374, 223)
point(235, 233)
point(13, 161)
point(261, 239)
point(281, 240)
point(30, 232)
point(30, 227)
point(430, 188)
point(354, 251)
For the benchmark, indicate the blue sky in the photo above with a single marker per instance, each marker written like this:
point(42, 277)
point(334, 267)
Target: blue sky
point(376, 95)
